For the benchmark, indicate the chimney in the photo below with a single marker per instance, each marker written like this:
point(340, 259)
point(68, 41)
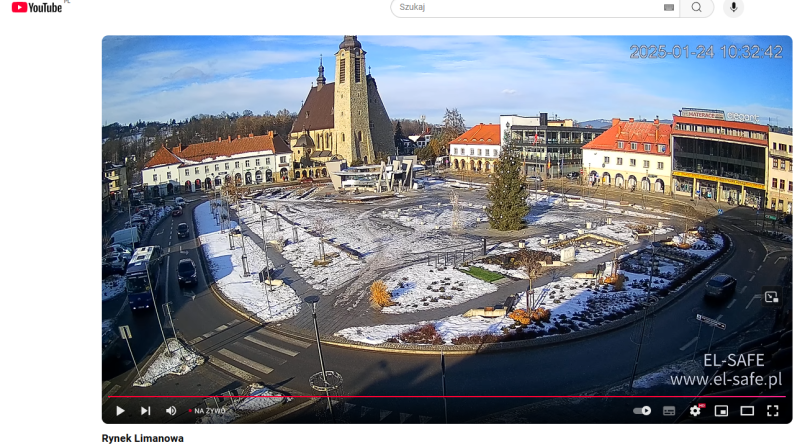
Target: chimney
point(270, 134)
point(615, 122)
point(251, 134)
point(238, 136)
point(229, 136)
point(630, 119)
point(219, 139)
point(655, 121)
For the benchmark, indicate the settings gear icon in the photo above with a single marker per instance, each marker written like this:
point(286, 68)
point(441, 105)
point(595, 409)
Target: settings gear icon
point(695, 411)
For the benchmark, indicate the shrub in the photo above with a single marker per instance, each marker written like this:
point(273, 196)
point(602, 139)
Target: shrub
point(520, 316)
point(477, 339)
point(379, 294)
point(425, 334)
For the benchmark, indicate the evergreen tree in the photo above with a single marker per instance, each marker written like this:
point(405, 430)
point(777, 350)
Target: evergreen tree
point(508, 193)
point(398, 134)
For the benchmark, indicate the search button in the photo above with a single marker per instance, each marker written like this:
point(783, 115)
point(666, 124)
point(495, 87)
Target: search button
point(696, 8)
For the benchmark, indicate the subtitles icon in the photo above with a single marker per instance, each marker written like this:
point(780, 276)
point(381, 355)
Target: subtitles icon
point(668, 411)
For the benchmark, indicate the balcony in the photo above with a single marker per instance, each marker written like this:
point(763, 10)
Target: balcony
point(780, 154)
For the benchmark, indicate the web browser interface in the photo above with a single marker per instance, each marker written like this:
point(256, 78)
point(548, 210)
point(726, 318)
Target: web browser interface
point(468, 220)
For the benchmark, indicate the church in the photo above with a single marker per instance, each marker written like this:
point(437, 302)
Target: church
point(344, 119)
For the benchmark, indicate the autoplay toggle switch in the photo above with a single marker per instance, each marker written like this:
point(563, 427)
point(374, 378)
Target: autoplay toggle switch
point(645, 410)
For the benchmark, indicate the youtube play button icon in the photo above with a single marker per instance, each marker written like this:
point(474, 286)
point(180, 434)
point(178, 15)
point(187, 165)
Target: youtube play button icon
point(19, 7)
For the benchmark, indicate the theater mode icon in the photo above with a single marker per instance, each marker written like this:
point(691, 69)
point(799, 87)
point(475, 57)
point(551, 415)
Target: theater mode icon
point(19, 7)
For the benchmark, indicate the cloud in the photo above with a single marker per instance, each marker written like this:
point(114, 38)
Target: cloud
point(509, 92)
point(187, 73)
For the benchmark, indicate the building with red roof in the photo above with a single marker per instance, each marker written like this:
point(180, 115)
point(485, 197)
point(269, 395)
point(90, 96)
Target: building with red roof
point(246, 160)
point(477, 149)
point(630, 154)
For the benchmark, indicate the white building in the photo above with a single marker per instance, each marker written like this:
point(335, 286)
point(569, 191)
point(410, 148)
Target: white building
point(246, 160)
point(631, 155)
point(478, 149)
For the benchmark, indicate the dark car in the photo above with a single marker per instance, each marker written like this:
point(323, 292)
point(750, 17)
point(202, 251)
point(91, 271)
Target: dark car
point(183, 230)
point(187, 272)
point(177, 211)
point(573, 175)
point(722, 285)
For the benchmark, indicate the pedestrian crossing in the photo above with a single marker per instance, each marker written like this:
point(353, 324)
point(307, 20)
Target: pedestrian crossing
point(255, 355)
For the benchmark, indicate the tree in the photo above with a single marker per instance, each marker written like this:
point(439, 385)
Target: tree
point(398, 134)
point(424, 154)
point(452, 125)
point(322, 228)
point(508, 193)
point(532, 267)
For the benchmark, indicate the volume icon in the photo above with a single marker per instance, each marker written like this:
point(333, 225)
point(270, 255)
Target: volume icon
point(171, 410)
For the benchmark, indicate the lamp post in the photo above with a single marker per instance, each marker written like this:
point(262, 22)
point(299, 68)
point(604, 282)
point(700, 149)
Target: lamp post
point(325, 380)
point(266, 257)
point(650, 302)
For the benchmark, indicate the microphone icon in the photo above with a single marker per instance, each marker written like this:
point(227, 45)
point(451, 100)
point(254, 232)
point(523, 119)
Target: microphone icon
point(733, 7)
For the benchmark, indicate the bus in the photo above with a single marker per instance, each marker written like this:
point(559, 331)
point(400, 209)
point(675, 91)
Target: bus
point(142, 277)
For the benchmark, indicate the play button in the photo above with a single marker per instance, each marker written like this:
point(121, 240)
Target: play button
point(120, 410)
point(19, 7)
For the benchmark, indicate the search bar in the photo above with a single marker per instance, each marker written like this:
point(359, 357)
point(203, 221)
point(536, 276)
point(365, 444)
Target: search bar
point(552, 9)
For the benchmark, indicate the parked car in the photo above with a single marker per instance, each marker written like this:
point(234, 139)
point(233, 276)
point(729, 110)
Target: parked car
point(183, 230)
point(573, 175)
point(187, 272)
point(180, 201)
point(534, 178)
point(307, 181)
point(115, 263)
point(177, 211)
point(129, 237)
point(112, 343)
point(117, 248)
point(722, 285)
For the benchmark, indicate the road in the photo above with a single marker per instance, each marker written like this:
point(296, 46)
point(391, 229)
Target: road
point(241, 351)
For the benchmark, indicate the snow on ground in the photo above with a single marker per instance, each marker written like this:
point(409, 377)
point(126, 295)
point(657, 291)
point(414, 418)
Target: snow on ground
point(113, 286)
point(664, 375)
point(699, 247)
point(228, 272)
point(179, 362)
point(417, 288)
point(258, 399)
point(448, 328)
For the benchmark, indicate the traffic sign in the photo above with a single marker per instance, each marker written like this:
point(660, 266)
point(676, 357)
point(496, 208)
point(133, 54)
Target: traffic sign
point(711, 321)
point(719, 211)
point(125, 332)
point(771, 217)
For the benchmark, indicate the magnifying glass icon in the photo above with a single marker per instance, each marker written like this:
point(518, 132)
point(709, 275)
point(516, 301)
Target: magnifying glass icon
point(696, 7)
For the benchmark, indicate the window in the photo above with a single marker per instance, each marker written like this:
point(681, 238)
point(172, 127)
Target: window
point(341, 70)
point(268, 161)
point(216, 167)
point(206, 169)
point(236, 164)
point(662, 148)
point(258, 162)
point(790, 149)
point(620, 144)
point(790, 186)
point(186, 172)
point(471, 151)
point(342, 133)
point(774, 183)
point(619, 161)
point(774, 162)
point(283, 159)
point(479, 152)
point(247, 163)
point(634, 145)
point(495, 152)
point(606, 160)
point(647, 147)
point(790, 165)
point(226, 166)
point(646, 164)
point(783, 164)
point(197, 170)
point(660, 166)
point(169, 176)
point(462, 151)
point(633, 162)
point(155, 178)
point(783, 183)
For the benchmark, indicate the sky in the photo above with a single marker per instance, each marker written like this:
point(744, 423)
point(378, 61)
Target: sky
point(159, 78)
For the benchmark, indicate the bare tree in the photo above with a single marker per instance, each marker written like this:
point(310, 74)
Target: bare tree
point(322, 228)
point(532, 268)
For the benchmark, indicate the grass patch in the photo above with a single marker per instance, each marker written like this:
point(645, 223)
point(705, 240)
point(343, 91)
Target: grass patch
point(483, 274)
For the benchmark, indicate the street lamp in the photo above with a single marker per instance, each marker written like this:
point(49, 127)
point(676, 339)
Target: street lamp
point(326, 380)
point(649, 303)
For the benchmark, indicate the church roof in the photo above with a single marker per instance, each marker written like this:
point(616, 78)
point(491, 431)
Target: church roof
point(305, 141)
point(317, 111)
point(350, 42)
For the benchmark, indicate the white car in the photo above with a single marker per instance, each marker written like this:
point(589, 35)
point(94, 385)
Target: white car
point(118, 249)
point(180, 201)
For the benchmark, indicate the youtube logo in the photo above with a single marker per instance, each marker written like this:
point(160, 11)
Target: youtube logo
point(19, 7)
point(35, 7)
